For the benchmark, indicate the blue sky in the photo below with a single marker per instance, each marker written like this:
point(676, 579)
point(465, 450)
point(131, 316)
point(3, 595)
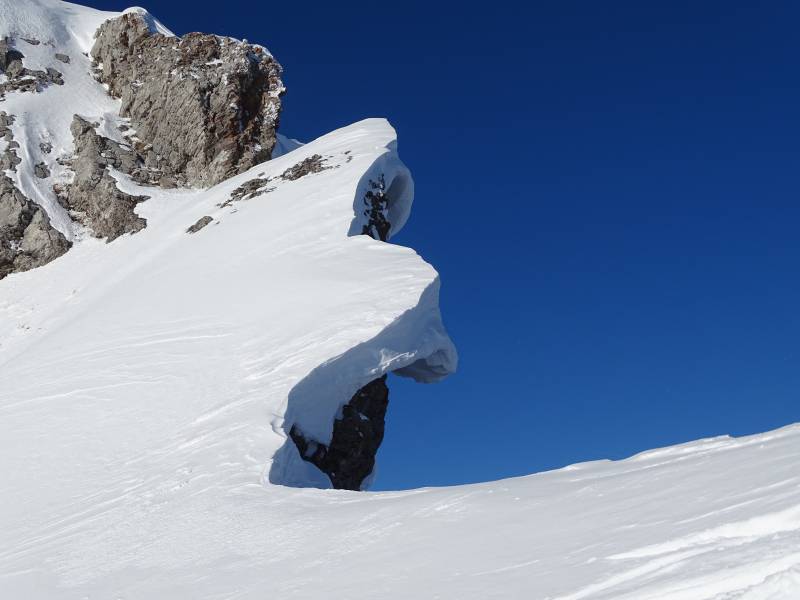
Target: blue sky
point(610, 193)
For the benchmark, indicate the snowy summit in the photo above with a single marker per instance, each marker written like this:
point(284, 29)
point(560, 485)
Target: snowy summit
point(198, 322)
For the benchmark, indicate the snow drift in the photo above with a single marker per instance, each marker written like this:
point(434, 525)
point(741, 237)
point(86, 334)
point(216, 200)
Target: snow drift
point(150, 384)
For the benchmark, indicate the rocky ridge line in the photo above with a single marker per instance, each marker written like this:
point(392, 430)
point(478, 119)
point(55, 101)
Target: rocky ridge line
point(207, 107)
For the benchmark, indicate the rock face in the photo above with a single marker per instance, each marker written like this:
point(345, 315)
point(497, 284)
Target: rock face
point(357, 435)
point(93, 197)
point(205, 107)
point(27, 239)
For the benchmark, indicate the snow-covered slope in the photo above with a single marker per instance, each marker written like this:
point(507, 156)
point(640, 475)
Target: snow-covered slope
point(713, 520)
point(148, 387)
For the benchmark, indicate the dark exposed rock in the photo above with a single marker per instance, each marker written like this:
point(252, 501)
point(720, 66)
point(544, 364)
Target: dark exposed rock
point(46, 147)
point(9, 158)
point(357, 435)
point(62, 57)
point(260, 185)
point(377, 210)
point(312, 164)
point(20, 78)
point(53, 76)
point(93, 197)
point(31, 41)
point(9, 57)
point(41, 171)
point(201, 222)
point(207, 107)
point(27, 239)
point(249, 189)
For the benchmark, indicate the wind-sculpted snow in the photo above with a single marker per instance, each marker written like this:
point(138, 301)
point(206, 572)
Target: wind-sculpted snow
point(148, 387)
point(157, 375)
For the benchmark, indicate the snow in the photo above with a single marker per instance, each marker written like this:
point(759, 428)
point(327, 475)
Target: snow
point(148, 386)
point(153, 24)
point(61, 28)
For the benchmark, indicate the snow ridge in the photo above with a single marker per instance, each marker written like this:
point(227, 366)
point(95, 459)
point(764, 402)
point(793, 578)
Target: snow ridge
point(149, 386)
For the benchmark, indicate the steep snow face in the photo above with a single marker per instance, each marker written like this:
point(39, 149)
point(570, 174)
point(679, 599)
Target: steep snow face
point(277, 272)
point(269, 316)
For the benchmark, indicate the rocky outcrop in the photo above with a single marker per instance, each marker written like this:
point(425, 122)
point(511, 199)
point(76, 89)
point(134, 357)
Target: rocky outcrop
point(9, 159)
point(357, 435)
point(258, 186)
point(20, 78)
point(27, 239)
point(199, 224)
point(313, 164)
point(41, 170)
point(249, 189)
point(93, 197)
point(205, 107)
point(376, 210)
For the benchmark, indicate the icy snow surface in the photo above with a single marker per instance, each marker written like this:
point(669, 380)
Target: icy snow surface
point(147, 385)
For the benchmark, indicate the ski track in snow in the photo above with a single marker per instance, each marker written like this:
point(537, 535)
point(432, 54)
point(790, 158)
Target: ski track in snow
point(147, 386)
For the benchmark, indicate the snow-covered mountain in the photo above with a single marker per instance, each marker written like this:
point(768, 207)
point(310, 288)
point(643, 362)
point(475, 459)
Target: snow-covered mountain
point(197, 320)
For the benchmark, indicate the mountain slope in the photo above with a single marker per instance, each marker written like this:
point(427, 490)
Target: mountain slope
point(163, 371)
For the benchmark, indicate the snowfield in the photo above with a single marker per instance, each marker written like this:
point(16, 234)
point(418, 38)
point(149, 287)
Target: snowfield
point(147, 387)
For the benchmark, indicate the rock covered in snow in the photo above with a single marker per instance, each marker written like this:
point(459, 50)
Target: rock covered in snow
point(205, 106)
point(18, 77)
point(27, 239)
point(93, 197)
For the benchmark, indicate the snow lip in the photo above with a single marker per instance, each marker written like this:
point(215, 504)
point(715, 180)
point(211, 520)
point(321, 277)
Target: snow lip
point(414, 345)
point(153, 24)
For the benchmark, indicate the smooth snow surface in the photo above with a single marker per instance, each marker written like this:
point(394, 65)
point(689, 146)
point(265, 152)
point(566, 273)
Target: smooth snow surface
point(147, 386)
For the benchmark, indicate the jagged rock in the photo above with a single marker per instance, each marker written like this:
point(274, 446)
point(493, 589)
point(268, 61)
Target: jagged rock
point(8, 159)
point(212, 115)
point(312, 164)
point(41, 171)
point(9, 56)
point(260, 185)
point(249, 189)
point(93, 196)
point(18, 77)
point(62, 57)
point(357, 435)
point(54, 76)
point(27, 239)
point(15, 69)
point(201, 222)
point(377, 210)
point(46, 147)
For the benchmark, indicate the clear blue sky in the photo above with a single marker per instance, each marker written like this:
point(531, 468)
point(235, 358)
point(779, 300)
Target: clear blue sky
point(610, 193)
